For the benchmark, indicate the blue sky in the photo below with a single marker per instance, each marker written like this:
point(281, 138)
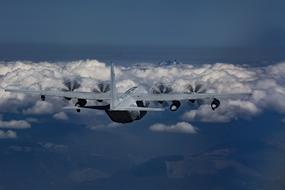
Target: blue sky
point(222, 23)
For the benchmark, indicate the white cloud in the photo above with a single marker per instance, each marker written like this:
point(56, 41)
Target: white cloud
point(15, 124)
point(32, 120)
point(266, 83)
point(228, 110)
point(102, 126)
point(8, 134)
point(60, 116)
point(181, 127)
point(41, 107)
point(205, 114)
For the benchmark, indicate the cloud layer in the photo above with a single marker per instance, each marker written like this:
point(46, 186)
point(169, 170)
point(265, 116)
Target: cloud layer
point(8, 134)
point(15, 124)
point(265, 83)
point(180, 127)
point(60, 116)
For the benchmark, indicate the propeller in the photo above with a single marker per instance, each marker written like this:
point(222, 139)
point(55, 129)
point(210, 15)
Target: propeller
point(161, 88)
point(70, 85)
point(198, 88)
point(102, 87)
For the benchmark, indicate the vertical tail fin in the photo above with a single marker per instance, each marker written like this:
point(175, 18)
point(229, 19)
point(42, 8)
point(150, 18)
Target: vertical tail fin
point(113, 88)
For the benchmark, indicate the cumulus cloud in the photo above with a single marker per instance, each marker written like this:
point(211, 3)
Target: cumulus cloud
point(32, 120)
point(104, 126)
point(229, 109)
point(8, 134)
point(181, 127)
point(41, 107)
point(265, 83)
point(15, 124)
point(60, 116)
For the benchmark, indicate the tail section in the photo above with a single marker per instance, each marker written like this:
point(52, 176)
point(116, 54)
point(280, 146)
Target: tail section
point(114, 98)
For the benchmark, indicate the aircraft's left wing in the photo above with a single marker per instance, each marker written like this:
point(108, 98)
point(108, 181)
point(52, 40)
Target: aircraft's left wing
point(185, 96)
point(68, 94)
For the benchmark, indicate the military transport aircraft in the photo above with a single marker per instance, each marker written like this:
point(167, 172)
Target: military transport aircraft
point(134, 103)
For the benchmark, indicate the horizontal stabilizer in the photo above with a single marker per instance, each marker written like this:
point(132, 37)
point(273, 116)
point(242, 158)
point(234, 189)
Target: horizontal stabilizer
point(138, 109)
point(116, 109)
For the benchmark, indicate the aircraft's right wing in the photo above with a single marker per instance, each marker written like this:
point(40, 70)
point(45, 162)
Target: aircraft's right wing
point(185, 96)
point(67, 94)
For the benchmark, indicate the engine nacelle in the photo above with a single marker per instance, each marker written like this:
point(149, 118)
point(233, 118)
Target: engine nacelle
point(81, 102)
point(43, 97)
point(175, 105)
point(192, 101)
point(215, 104)
point(67, 98)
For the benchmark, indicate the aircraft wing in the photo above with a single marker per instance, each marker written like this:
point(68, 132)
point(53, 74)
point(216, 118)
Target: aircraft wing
point(185, 96)
point(142, 97)
point(67, 94)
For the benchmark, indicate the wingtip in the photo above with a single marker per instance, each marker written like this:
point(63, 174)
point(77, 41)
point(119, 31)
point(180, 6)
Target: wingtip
point(9, 89)
point(6, 89)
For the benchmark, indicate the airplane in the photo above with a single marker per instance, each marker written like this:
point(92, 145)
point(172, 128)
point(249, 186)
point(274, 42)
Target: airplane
point(131, 105)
